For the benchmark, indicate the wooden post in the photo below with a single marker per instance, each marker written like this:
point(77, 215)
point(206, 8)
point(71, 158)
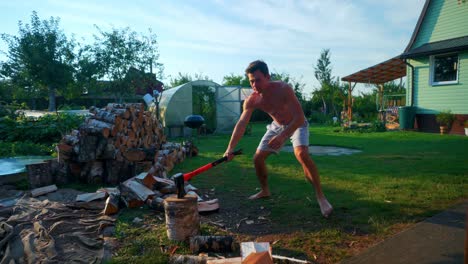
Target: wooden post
point(381, 94)
point(182, 219)
point(350, 103)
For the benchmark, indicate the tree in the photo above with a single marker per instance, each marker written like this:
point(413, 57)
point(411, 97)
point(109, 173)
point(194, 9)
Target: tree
point(323, 70)
point(183, 78)
point(236, 80)
point(86, 73)
point(331, 92)
point(121, 49)
point(39, 60)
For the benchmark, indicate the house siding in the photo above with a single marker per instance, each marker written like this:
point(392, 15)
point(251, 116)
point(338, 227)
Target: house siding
point(445, 19)
point(431, 99)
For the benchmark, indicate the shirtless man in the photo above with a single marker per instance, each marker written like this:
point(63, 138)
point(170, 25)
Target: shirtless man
point(277, 99)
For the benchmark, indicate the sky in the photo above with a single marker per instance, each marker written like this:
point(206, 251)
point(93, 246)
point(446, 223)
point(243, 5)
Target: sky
point(216, 38)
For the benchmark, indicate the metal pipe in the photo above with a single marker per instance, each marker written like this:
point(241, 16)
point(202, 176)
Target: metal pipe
point(412, 81)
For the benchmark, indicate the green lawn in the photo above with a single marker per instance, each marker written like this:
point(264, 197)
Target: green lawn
point(399, 178)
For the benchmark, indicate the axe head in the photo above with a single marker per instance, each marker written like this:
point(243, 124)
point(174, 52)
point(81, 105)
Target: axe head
point(179, 184)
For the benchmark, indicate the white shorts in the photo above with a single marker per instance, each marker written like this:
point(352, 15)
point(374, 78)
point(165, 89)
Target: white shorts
point(300, 137)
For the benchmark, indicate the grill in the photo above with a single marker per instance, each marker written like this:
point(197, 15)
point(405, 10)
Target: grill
point(194, 121)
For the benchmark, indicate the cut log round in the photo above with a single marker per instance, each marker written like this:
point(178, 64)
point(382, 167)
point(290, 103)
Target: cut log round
point(97, 127)
point(105, 116)
point(212, 244)
point(182, 219)
point(140, 154)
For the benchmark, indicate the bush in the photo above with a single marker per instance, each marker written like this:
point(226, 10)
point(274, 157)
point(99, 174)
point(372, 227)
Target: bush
point(10, 110)
point(11, 149)
point(317, 117)
point(376, 126)
point(47, 129)
point(445, 118)
point(71, 106)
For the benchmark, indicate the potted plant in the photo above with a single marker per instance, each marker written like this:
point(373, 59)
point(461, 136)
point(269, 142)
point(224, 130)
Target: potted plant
point(466, 127)
point(445, 120)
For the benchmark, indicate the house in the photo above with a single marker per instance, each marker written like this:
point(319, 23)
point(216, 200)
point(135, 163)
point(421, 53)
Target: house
point(437, 64)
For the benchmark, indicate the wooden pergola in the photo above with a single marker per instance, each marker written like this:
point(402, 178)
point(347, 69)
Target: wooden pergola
point(379, 74)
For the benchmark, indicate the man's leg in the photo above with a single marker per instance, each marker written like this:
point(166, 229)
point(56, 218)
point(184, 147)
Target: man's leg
point(261, 171)
point(312, 175)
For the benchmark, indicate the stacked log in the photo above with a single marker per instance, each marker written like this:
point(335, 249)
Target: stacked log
point(116, 143)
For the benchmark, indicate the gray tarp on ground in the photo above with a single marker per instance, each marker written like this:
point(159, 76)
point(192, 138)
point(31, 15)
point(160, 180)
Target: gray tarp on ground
point(35, 231)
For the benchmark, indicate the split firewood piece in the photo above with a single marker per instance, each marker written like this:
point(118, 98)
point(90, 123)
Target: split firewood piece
point(88, 197)
point(109, 190)
point(168, 189)
point(43, 190)
point(246, 248)
point(112, 204)
point(199, 199)
point(187, 259)
point(208, 206)
point(188, 187)
point(286, 260)
point(140, 190)
point(146, 179)
point(220, 244)
point(258, 257)
point(130, 198)
point(157, 203)
point(162, 183)
point(237, 260)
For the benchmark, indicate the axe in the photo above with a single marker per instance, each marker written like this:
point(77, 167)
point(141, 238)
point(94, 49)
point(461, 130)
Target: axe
point(180, 177)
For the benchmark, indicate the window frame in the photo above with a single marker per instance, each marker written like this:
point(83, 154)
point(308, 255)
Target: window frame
point(432, 59)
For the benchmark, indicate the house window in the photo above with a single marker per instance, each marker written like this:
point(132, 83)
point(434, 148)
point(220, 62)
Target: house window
point(444, 69)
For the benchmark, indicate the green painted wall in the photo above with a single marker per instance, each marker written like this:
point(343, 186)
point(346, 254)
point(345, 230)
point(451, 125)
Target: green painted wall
point(432, 99)
point(445, 19)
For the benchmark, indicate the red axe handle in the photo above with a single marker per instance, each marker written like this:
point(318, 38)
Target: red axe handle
point(190, 175)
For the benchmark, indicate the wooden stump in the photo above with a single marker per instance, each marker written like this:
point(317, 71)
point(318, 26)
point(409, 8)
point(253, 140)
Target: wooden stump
point(182, 219)
point(39, 174)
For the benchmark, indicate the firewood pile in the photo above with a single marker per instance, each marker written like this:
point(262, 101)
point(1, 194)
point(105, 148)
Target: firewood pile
point(118, 142)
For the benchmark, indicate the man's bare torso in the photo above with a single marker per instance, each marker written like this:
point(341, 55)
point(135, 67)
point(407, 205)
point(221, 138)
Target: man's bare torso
point(275, 101)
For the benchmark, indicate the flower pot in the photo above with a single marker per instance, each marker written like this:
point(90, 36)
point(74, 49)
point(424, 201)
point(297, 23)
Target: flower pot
point(443, 130)
point(466, 131)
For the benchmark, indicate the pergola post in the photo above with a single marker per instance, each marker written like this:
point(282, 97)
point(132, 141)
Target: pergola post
point(350, 103)
point(382, 116)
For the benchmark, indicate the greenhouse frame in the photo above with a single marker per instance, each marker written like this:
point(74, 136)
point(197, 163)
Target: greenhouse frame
point(177, 103)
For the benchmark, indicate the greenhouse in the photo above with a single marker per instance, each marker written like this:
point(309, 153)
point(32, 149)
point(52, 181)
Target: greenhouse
point(220, 106)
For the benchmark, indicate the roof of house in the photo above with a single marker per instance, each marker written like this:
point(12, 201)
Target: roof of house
point(418, 25)
point(383, 72)
point(438, 47)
